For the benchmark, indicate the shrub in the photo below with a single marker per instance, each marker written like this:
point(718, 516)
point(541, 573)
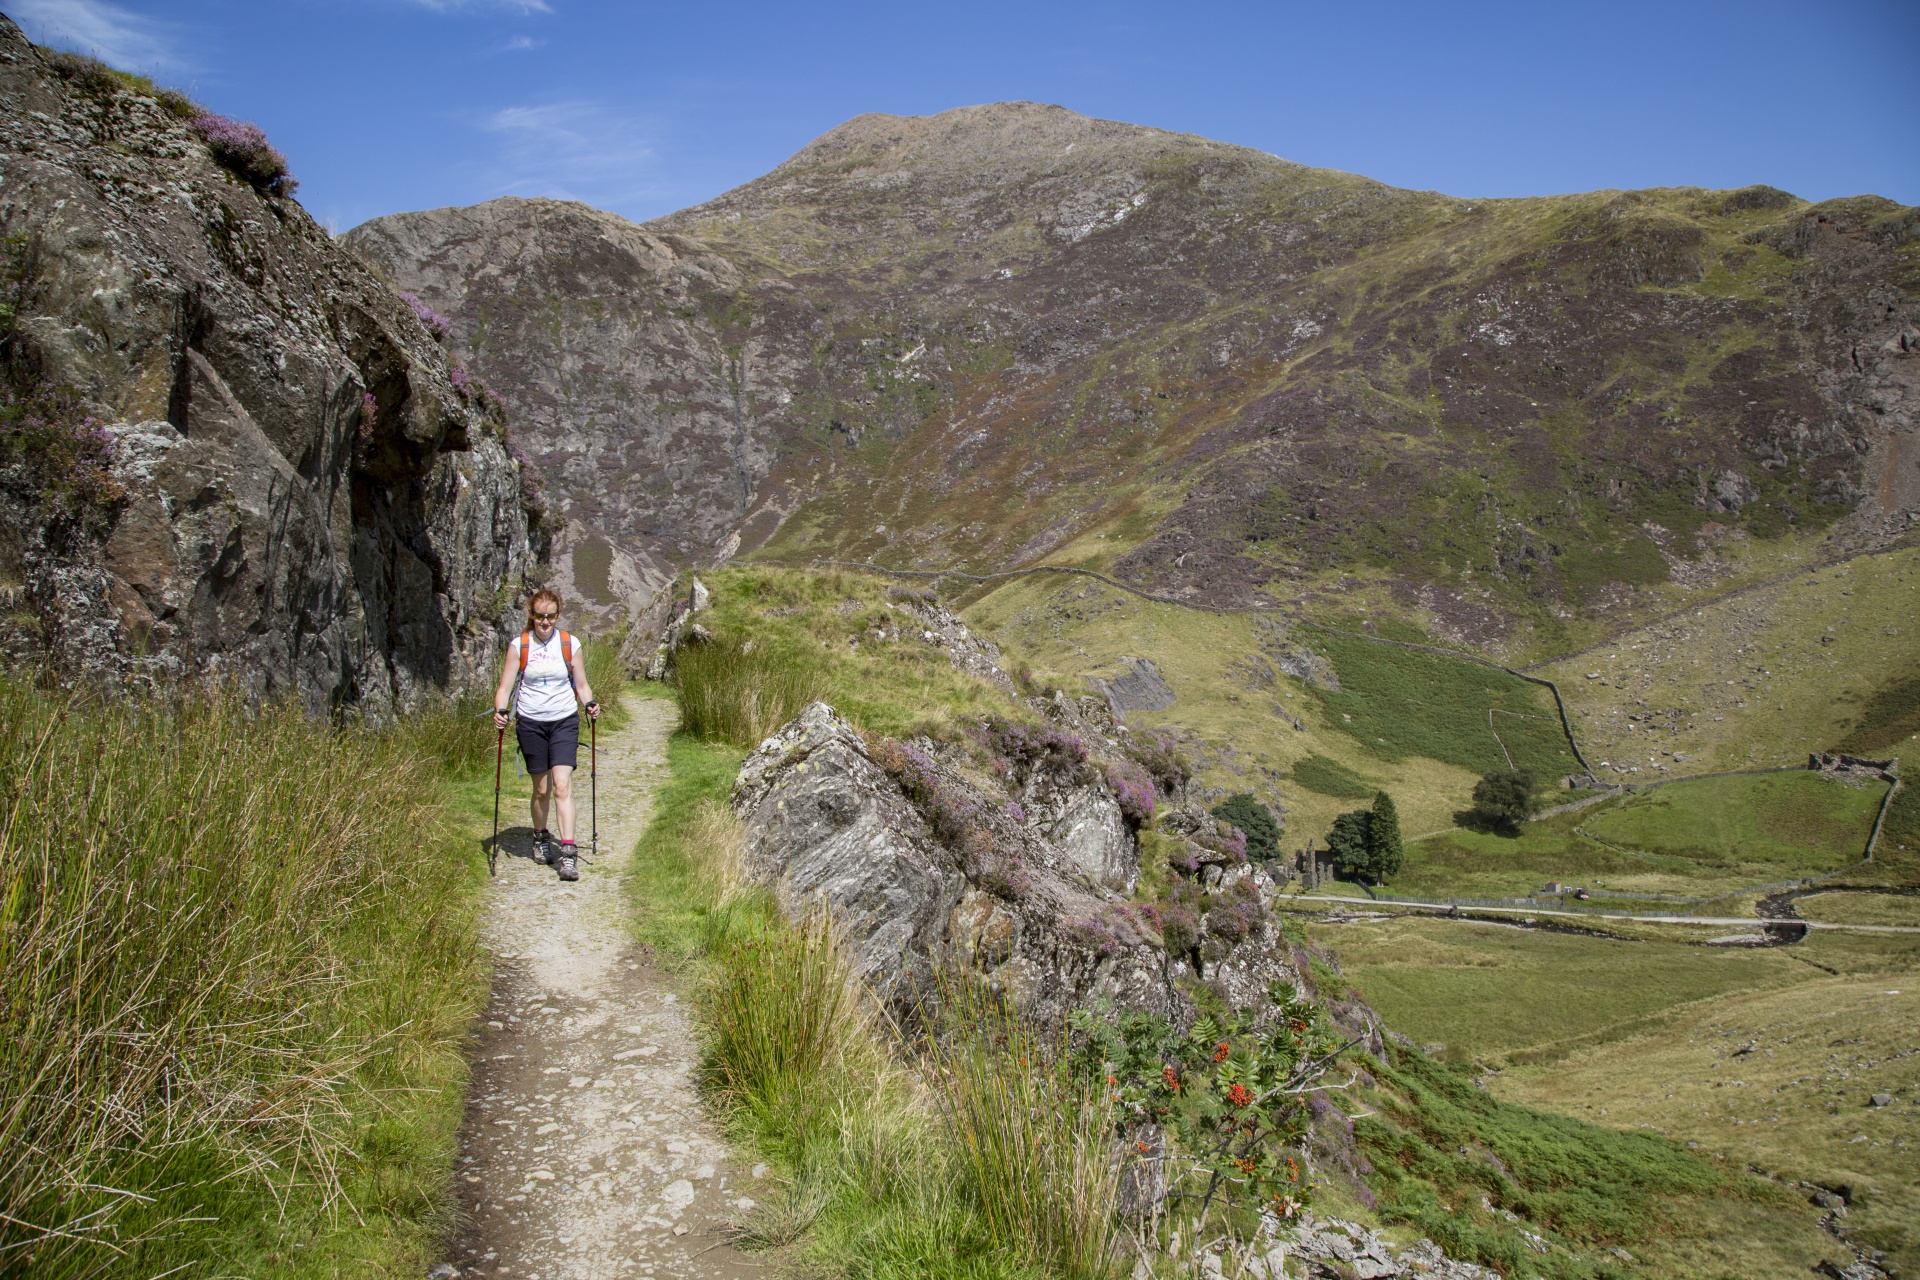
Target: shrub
point(242, 149)
point(1503, 799)
point(732, 693)
point(1178, 916)
point(1236, 915)
point(58, 459)
point(1021, 749)
point(1133, 789)
point(1256, 823)
point(1227, 844)
point(1232, 1095)
point(1159, 754)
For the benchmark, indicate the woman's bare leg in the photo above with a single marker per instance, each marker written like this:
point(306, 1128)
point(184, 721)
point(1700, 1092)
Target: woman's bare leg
point(560, 779)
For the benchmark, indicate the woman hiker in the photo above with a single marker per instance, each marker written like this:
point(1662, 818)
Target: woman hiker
point(551, 671)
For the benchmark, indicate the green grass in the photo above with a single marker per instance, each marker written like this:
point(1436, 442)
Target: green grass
point(1441, 1147)
point(1778, 1079)
point(1799, 823)
point(817, 633)
point(230, 1015)
point(1499, 994)
point(1331, 778)
point(1891, 717)
point(1403, 702)
point(873, 1181)
point(1698, 838)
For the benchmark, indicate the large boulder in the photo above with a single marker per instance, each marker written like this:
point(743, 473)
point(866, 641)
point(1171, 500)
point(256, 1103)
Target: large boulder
point(306, 496)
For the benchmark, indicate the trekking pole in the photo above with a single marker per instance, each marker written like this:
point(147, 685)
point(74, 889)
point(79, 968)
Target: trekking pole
point(593, 780)
point(493, 847)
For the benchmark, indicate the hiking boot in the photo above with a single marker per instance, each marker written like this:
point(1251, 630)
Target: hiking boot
point(543, 848)
point(567, 861)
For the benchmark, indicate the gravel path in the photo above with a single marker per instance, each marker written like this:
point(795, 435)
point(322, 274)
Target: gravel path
point(586, 1153)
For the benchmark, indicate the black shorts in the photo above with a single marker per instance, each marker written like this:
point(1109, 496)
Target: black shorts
point(546, 743)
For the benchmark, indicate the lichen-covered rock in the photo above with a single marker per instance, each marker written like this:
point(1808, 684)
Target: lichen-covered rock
point(311, 502)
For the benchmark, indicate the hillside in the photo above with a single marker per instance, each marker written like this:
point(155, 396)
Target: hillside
point(1009, 333)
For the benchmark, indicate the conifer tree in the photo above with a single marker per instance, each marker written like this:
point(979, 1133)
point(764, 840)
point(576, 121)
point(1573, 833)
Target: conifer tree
point(1384, 848)
point(1347, 842)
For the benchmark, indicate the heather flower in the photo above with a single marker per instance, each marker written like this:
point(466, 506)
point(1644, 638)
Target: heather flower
point(369, 410)
point(240, 146)
point(1133, 789)
point(1014, 811)
point(436, 324)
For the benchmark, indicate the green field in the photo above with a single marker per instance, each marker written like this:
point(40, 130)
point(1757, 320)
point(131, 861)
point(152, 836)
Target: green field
point(1699, 838)
point(1799, 823)
point(1494, 993)
point(1405, 702)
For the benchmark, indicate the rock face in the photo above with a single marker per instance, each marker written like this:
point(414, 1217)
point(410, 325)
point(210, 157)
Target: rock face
point(645, 376)
point(926, 861)
point(980, 337)
point(827, 823)
point(305, 496)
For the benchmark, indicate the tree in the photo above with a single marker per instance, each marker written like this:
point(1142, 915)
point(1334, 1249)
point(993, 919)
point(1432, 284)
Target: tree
point(1383, 839)
point(1503, 799)
point(1347, 842)
point(1255, 821)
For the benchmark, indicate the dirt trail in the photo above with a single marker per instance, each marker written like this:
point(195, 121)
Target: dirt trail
point(586, 1153)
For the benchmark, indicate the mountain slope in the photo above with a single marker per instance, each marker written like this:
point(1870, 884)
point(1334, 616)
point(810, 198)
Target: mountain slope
point(1008, 333)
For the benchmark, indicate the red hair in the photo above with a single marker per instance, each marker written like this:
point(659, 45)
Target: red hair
point(544, 593)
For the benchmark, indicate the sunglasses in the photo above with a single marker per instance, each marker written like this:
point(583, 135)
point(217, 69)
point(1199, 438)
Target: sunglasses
point(545, 617)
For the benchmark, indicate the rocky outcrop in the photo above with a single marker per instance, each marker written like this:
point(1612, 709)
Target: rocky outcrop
point(1013, 862)
point(296, 490)
point(653, 379)
point(954, 879)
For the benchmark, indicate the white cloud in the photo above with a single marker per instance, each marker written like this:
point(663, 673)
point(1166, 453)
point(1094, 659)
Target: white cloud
point(116, 36)
point(570, 150)
point(521, 43)
point(456, 6)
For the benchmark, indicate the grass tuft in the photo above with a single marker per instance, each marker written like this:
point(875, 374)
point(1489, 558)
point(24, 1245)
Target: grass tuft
point(1035, 1137)
point(739, 693)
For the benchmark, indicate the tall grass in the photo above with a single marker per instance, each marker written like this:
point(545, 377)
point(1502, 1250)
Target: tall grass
point(870, 1180)
point(740, 693)
point(1035, 1137)
point(231, 942)
point(607, 676)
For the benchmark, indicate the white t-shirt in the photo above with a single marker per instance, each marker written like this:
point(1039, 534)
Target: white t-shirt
point(546, 687)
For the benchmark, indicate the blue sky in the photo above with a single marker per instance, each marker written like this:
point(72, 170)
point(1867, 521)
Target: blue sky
point(646, 107)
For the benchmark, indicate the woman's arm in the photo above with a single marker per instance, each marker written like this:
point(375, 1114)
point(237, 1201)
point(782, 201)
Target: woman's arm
point(581, 688)
point(508, 669)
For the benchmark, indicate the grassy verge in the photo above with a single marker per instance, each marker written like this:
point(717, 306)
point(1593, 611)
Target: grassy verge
point(239, 956)
point(871, 1181)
